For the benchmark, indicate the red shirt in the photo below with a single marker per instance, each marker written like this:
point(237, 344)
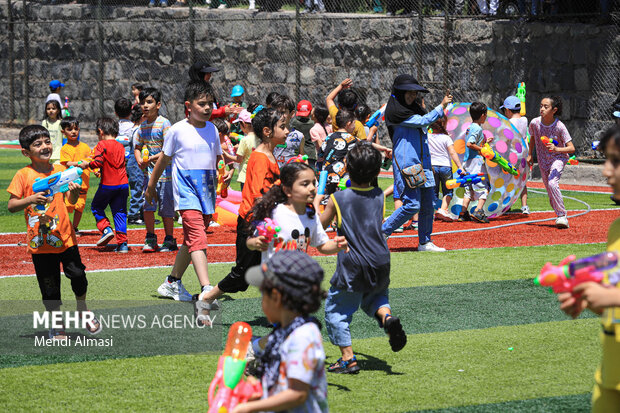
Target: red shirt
point(109, 155)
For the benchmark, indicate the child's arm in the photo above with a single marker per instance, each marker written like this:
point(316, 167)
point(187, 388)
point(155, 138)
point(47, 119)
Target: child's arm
point(294, 396)
point(598, 296)
point(381, 148)
point(329, 100)
point(569, 148)
point(339, 243)
point(17, 204)
point(371, 134)
point(455, 158)
point(257, 243)
point(158, 169)
point(73, 193)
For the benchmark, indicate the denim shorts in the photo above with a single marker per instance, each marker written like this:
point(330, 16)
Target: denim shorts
point(164, 198)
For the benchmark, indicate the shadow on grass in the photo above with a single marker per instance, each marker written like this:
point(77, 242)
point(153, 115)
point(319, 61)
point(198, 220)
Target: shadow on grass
point(372, 363)
point(339, 386)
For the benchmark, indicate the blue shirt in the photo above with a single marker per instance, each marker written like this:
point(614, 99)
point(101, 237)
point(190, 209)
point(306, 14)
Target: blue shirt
point(474, 135)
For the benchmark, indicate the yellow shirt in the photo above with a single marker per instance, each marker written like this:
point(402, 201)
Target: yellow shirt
point(359, 132)
point(245, 148)
point(55, 136)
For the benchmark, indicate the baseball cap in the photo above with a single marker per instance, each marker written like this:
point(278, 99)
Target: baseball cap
point(293, 271)
point(54, 84)
point(237, 90)
point(511, 103)
point(617, 114)
point(304, 107)
point(407, 82)
point(244, 116)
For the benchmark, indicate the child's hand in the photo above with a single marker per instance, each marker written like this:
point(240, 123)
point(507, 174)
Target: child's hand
point(39, 198)
point(530, 161)
point(347, 83)
point(550, 147)
point(342, 243)
point(74, 188)
point(228, 175)
point(570, 305)
point(598, 296)
point(258, 243)
point(388, 152)
point(446, 100)
point(149, 194)
point(489, 139)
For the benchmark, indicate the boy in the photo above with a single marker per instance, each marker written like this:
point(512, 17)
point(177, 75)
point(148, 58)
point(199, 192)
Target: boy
point(71, 154)
point(474, 163)
point(123, 110)
point(347, 100)
point(362, 275)
point(51, 239)
point(55, 89)
point(152, 134)
point(302, 123)
point(237, 97)
point(512, 110)
point(109, 156)
point(194, 147)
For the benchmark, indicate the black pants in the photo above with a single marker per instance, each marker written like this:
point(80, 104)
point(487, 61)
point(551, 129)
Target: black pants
point(246, 258)
point(47, 268)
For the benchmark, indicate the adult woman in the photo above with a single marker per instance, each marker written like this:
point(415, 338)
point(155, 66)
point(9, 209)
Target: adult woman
point(407, 124)
point(202, 71)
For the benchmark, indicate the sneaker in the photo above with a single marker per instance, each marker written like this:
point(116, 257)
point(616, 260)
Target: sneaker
point(399, 229)
point(221, 6)
point(479, 216)
point(58, 334)
point(561, 222)
point(394, 329)
point(150, 245)
point(344, 366)
point(107, 235)
point(464, 216)
point(213, 224)
point(443, 215)
point(169, 244)
point(429, 246)
point(525, 210)
point(175, 290)
point(122, 248)
point(412, 226)
point(94, 326)
point(214, 305)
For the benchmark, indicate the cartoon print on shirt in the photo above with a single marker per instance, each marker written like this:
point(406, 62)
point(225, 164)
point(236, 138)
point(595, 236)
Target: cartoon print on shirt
point(298, 241)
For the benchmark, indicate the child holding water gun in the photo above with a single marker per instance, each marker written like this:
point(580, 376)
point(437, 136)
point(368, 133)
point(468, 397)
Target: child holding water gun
point(604, 299)
point(552, 157)
point(292, 368)
point(362, 274)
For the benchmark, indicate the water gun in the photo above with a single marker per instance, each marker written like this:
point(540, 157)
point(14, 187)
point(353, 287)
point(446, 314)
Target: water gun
point(231, 388)
point(268, 229)
point(377, 117)
point(65, 110)
point(322, 183)
point(298, 158)
point(236, 136)
point(464, 180)
point(546, 140)
point(229, 146)
point(58, 182)
point(573, 161)
point(344, 183)
point(571, 272)
point(493, 156)
point(521, 96)
point(222, 186)
point(145, 154)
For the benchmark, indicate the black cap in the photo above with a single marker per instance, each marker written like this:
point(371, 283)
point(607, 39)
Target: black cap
point(407, 82)
point(204, 67)
point(292, 270)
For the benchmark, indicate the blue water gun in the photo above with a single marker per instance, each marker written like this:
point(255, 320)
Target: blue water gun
point(58, 182)
point(464, 180)
point(377, 117)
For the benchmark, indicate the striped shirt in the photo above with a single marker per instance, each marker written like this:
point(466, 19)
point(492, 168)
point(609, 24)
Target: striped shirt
point(152, 135)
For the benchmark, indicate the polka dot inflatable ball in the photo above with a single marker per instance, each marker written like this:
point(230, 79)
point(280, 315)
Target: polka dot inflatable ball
point(505, 188)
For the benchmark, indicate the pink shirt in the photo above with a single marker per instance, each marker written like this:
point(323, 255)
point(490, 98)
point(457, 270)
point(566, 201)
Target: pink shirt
point(556, 131)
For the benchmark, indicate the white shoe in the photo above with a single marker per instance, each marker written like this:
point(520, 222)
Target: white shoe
point(443, 215)
point(221, 6)
point(429, 246)
point(561, 222)
point(175, 290)
point(213, 224)
point(399, 230)
point(525, 210)
point(205, 304)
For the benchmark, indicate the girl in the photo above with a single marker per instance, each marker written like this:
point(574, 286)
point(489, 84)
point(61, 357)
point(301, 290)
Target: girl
point(289, 204)
point(292, 368)
point(318, 133)
point(551, 158)
point(604, 299)
point(52, 124)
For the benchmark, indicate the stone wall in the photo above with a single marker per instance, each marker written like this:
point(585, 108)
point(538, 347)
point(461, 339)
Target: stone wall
point(475, 59)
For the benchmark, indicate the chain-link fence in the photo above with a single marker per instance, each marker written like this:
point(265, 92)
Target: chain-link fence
point(100, 49)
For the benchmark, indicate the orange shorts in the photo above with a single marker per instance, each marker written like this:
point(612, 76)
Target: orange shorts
point(195, 226)
point(78, 206)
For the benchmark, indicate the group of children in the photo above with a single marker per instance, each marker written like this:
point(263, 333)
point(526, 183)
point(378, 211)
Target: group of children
point(280, 183)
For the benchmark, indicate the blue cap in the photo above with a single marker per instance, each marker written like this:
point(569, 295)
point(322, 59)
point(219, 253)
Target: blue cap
point(237, 90)
point(511, 103)
point(55, 84)
point(617, 114)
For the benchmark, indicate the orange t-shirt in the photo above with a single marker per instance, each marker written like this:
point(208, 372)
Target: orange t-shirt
point(80, 152)
point(260, 176)
point(57, 234)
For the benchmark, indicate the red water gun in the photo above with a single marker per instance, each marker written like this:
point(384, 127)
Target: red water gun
point(571, 272)
point(231, 388)
point(268, 229)
point(572, 161)
point(547, 140)
point(298, 158)
point(229, 146)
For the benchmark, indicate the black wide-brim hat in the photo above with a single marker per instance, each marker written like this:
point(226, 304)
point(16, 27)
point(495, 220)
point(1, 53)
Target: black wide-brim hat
point(204, 67)
point(407, 82)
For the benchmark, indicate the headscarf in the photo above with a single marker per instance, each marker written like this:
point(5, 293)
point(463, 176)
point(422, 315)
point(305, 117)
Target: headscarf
point(397, 110)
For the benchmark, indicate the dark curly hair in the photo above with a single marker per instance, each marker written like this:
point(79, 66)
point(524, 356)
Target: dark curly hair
point(610, 137)
point(299, 297)
point(265, 118)
point(556, 102)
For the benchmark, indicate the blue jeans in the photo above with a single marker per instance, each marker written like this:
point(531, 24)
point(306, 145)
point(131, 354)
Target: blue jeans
point(136, 185)
point(414, 200)
point(442, 174)
point(340, 306)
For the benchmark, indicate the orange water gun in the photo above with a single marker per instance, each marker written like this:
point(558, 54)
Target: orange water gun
point(222, 186)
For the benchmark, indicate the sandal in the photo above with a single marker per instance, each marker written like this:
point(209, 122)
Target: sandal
point(93, 327)
point(58, 334)
point(344, 366)
point(394, 329)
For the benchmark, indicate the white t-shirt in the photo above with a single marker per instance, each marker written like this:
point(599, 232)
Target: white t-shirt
point(194, 161)
point(438, 146)
point(297, 232)
point(54, 96)
point(125, 135)
point(521, 125)
point(302, 358)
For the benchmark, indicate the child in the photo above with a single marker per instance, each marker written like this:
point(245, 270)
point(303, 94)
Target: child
point(347, 100)
point(319, 132)
point(290, 283)
point(136, 88)
point(71, 154)
point(237, 97)
point(51, 239)
point(55, 86)
point(362, 275)
point(152, 134)
point(551, 158)
point(292, 146)
point(128, 126)
point(362, 113)
point(302, 123)
point(289, 204)
point(512, 110)
point(474, 163)
point(52, 124)
point(270, 128)
point(442, 151)
point(194, 175)
point(604, 299)
point(109, 155)
point(247, 144)
point(228, 151)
